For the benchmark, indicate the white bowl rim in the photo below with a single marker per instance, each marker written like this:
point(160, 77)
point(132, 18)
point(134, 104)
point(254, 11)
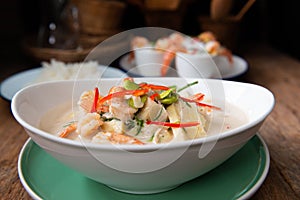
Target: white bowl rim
point(189, 55)
point(148, 147)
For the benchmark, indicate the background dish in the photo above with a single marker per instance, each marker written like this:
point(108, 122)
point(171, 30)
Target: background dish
point(14, 83)
point(237, 178)
point(240, 66)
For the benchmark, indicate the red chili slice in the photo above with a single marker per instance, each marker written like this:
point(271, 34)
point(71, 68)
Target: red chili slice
point(174, 125)
point(153, 96)
point(123, 93)
point(199, 103)
point(95, 102)
point(153, 87)
point(198, 97)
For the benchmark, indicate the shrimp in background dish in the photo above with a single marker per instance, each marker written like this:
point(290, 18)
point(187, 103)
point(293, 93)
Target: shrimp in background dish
point(137, 42)
point(213, 47)
point(207, 36)
point(170, 46)
point(172, 43)
point(177, 42)
point(227, 53)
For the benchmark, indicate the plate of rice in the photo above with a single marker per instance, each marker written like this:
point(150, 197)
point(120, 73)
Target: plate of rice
point(56, 70)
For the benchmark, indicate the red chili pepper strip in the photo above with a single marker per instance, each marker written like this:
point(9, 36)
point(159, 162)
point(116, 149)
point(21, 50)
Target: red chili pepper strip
point(153, 96)
point(123, 93)
point(174, 125)
point(140, 92)
point(95, 102)
point(188, 100)
point(207, 105)
point(198, 97)
point(153, 87)
point(200, 104)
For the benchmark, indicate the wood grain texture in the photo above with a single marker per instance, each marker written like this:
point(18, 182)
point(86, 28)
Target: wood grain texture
point(267, 67)
point(281, 130)
point(13, 137)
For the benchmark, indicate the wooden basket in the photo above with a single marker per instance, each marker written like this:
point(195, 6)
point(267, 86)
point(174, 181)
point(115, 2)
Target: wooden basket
point(94, 40)
point(226, 31)
point(45, 54)
point(89, 50)
point(169, 5)
point(98, 17)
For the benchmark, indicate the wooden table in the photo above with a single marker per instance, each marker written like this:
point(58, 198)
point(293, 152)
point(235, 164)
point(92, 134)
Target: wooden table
point(267, 67)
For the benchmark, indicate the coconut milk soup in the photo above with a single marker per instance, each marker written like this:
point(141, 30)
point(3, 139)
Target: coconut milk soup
point(57, 119)
point(141, 113)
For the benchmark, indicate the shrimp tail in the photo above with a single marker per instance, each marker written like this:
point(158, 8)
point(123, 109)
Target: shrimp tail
point(124, 139)
point(69, 129)
point(168, 57)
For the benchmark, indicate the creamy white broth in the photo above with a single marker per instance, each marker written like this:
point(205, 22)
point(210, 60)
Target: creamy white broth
point(56, 120)
point(222, 121)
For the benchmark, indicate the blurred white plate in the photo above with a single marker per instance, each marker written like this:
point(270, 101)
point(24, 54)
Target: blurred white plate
point(14, 83)
point(238, 67)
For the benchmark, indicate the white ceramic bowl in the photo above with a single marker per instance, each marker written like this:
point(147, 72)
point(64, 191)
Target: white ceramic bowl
point(223, 64)
point(148, 168)
point(200, 65)
point(149, 61)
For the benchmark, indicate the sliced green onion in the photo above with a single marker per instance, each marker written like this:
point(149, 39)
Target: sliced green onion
point(144, 98)
point(130, 124)
point(188, 85)
point(140, 124)
point(131, 103)
point(164, 94)
point(169, 100)
point(158, 115)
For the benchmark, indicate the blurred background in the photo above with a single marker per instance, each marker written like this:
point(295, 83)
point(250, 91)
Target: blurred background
point(28, 27)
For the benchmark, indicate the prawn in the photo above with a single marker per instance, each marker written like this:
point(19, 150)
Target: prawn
point(68, 130)
point(170, 45)
point(124, 139)
point(87, 100)
point(168, 57)
point(227, 53)
point(207, 36)
point(115, 138)
point(137, 42)
point(212, 47)
point(215, 48)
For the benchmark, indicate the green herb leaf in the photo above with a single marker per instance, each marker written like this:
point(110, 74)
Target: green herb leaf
point(140, 124)
point(130, 124)
point(158, 114)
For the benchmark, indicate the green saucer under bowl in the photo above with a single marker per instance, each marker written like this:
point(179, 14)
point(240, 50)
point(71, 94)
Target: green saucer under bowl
point(239, 177)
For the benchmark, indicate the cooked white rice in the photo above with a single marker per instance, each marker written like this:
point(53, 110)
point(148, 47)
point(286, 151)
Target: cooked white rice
point(57, 70)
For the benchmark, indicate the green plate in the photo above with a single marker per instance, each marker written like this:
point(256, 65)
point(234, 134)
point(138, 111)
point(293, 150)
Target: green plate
point(239, 177)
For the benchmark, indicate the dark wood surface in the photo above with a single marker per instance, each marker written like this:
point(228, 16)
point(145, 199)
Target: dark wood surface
point(267, 67)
